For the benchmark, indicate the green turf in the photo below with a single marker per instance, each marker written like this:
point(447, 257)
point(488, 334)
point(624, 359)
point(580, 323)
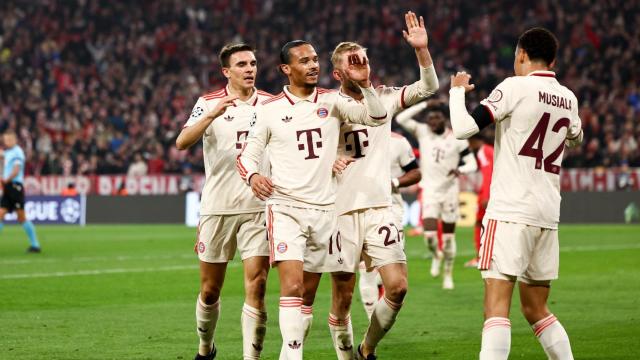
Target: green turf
point(128, 292)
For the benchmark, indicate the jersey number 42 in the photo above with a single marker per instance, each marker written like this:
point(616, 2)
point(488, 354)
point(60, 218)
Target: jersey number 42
point(533, 146)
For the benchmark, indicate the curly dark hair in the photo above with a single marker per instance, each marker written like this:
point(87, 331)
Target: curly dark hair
point(540, 44)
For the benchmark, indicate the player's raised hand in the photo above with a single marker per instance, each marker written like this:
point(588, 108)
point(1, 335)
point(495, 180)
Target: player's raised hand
point(358, 70)
point(462, 79)
point(222, 106)
point(416, 33)
point(261, 186)
point(341, 163)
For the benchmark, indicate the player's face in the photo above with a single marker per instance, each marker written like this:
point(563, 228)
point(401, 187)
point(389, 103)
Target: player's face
point(242, 70)
point(9, 140)
point(303, 68)
point(436, 121)
point(339, 71)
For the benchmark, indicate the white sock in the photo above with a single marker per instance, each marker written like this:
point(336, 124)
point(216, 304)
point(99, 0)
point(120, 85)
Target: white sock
point(291, 327)
point(254, 328)
point(206, 319)
point(496, 339)
point(553, 338)
point(342, 336)
point(368, 290)
point(384, 315)
point(431, 241)
point(449, 250)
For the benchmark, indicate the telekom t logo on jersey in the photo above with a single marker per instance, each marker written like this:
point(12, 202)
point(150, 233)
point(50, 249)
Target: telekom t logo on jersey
point(307, 142)
point(357, 146)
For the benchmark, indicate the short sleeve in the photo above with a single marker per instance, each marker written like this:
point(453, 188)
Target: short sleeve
point(200, 109)
point(406, 153)
point(501, 101)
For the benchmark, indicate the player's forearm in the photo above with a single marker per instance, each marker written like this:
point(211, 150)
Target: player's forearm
point(426, 86)
point(248, 162)
point(463, 124)
point(192, 134)
point(405, 118)
point(409, 178)
point(424, 57)
point(376, 112)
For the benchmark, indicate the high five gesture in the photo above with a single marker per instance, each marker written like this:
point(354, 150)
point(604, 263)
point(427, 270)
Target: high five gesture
point(416, 36)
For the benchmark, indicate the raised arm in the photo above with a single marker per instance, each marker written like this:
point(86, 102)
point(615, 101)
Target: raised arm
point(416, 36)
point(406, 121)
point(200, 119)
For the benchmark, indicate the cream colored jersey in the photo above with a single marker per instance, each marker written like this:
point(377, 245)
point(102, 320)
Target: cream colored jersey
point(401, 154)
point(223, 192)
point(366, 183)
point(534, 115)
point(302, 135)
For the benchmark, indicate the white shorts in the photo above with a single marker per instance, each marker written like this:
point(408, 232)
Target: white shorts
point(220, 235)
point(304, 234)
point(512, 251)
point(371, 235)
point(445, 208)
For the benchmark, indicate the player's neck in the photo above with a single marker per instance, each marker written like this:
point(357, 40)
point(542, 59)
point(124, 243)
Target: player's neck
point(243, 94)
point(534, 66)
point(301, 92)
point(355, 95)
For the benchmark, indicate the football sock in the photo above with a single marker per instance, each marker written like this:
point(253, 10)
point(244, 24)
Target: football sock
point(449, 250)
point(431, 241)
point(254, 328)
point(553, 338)
point(31, 233)
point(307, 320)
point(382, 319)
point(368, 290)
point(496, 339)
point(342, 336)
point(206, 319)
point(291, 327)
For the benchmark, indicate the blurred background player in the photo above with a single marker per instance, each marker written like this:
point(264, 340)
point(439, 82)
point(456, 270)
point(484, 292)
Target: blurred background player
point(404, 172)
point(13, 189)
point(230, 216)
point(367, 225)
point(442, 159)
point(535, 118)
point(300, 126)
point(484, 158)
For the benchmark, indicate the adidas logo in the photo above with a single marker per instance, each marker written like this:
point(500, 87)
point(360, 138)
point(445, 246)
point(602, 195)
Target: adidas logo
point(295, 344)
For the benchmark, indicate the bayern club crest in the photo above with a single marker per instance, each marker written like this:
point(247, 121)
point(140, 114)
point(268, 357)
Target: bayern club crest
point(282, 248)
point(201, 247)
point(323, 112)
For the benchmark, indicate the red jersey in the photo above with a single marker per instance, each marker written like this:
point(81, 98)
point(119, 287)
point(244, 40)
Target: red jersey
point(484, 158)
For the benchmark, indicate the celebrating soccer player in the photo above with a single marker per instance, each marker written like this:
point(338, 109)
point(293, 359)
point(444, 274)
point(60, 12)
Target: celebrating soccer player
point(535, 118)
point(300, 126)
point(230, 216)
point(367, 225)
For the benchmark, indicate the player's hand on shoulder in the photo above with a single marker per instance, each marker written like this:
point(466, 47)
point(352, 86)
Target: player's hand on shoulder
point(341, 163)
point(416, 33)
point(358, 70)
point(261, 186)
point(221, 106)
point(461, 78)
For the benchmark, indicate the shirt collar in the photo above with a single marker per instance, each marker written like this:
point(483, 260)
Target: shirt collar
point(252, 101)
point(294, 99)
point(543, 73)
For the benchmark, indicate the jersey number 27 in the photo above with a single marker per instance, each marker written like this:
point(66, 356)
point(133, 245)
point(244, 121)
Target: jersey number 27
point(533, 146)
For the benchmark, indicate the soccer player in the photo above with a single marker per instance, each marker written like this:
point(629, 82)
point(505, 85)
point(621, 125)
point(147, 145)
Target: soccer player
point(300, 126)
point(484, 158)
point(404, 172)
point(368, 227)
point(442, 159)
point(535, 118)
point(12, 188)
point(230, 216)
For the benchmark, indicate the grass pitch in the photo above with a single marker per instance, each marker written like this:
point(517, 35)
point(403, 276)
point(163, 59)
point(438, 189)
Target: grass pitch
point(129, 292)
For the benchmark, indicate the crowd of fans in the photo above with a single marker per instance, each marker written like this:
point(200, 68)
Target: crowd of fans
point(104, 87)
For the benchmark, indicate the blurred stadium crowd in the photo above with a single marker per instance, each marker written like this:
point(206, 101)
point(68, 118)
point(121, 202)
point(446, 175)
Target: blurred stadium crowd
point(103, 87)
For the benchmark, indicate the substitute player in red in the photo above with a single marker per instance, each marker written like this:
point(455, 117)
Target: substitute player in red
point(230, 216)
point(301, 126)
point(484, 158)
point(535, 118)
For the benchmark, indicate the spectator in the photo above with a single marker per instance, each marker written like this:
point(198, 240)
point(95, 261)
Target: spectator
point(138, 167)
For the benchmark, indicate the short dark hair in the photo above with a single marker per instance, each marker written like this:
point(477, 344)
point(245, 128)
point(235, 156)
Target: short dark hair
point(230, 49)
point(540, 44)
point(439, 108)
point(285, 54)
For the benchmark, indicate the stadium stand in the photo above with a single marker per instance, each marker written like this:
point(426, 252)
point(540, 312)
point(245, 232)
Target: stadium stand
point(99, 87)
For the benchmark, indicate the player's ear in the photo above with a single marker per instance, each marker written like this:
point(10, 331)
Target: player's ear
point(285, 69)
point(226, 72)
point(336, 75)
point(553, 64)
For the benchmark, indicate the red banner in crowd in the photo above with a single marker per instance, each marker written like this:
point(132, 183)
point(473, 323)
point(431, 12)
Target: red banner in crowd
point(570, 180)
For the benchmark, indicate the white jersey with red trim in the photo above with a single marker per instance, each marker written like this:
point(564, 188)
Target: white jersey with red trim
point(401, 154)
point(302, 135)
point(223, 192)
point(534, 115)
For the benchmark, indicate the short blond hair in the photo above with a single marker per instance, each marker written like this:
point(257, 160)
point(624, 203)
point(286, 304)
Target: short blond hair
point(344, 47)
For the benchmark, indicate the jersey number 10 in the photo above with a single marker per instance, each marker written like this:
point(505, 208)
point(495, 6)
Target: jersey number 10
point(537, 139)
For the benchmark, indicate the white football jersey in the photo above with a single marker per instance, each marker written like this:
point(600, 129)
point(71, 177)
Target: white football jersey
point(302, 135)
point(223, 192)
point(534, 115)
point(401, 154)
